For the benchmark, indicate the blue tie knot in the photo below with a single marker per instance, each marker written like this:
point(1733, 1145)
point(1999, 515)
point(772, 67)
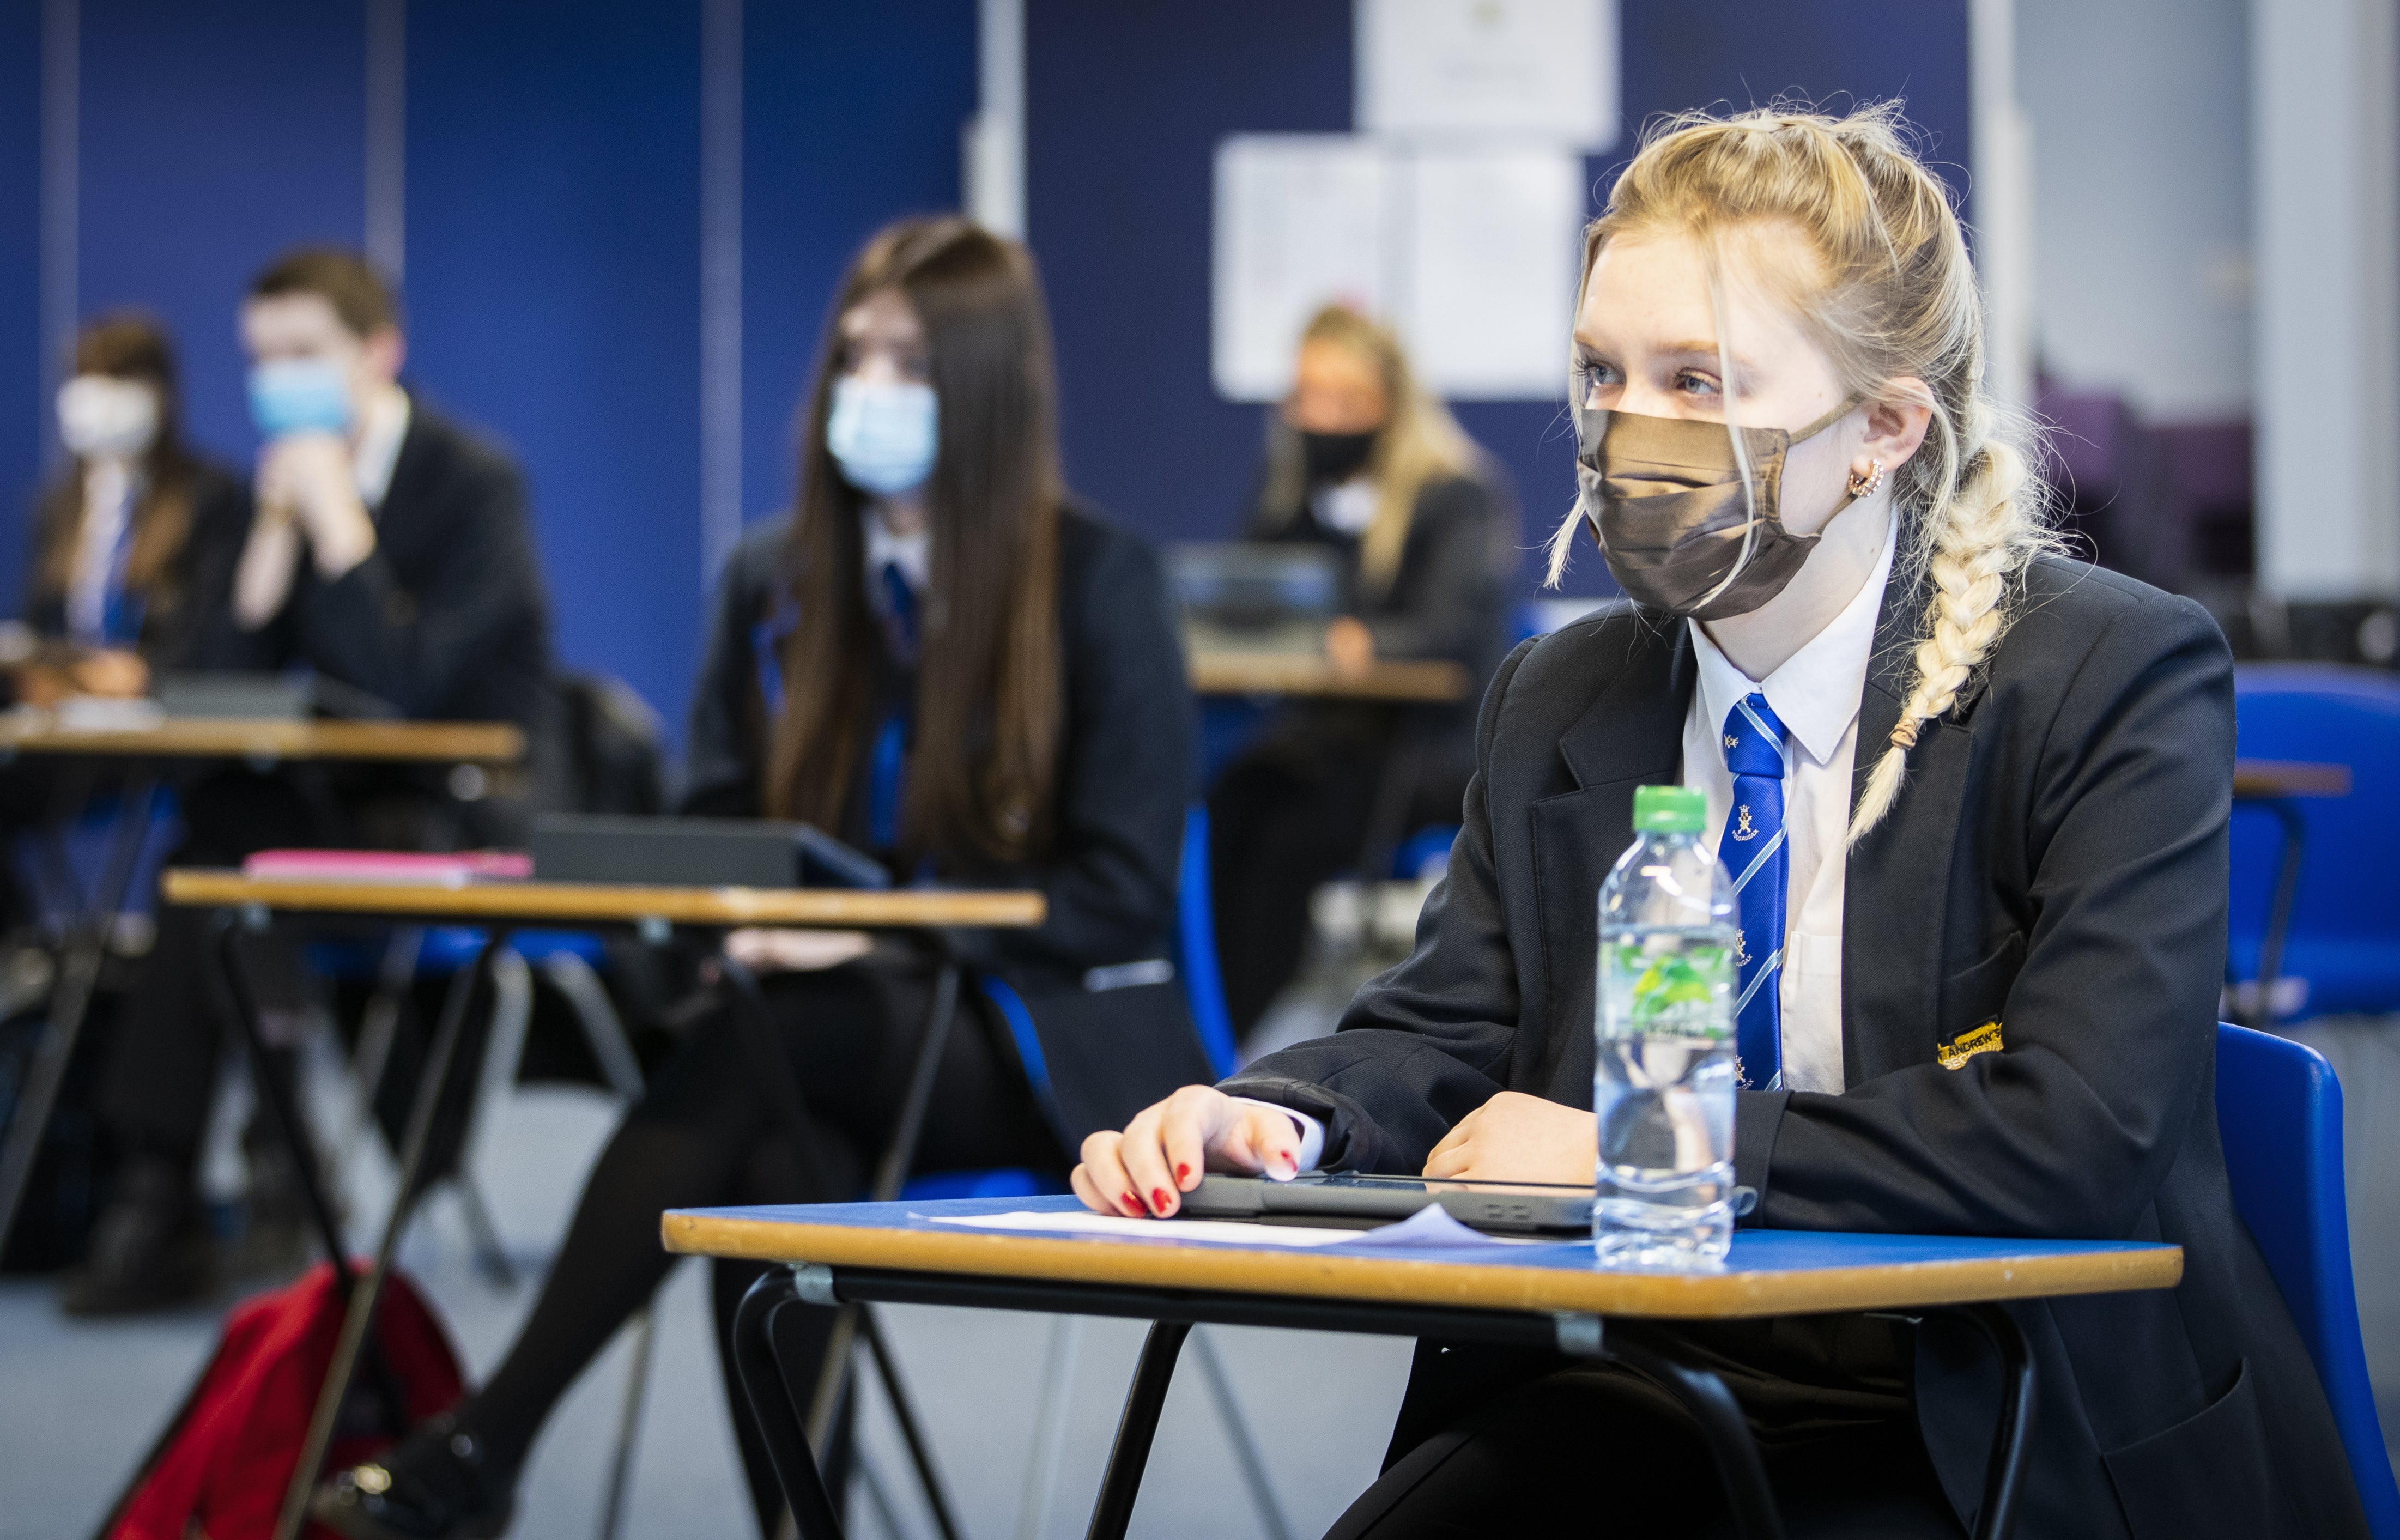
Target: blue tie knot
point(1753, 738)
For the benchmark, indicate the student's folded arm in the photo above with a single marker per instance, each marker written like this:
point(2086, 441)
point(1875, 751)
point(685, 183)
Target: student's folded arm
point(1124, 781)
point(2108, 1028)
point(1454, 613)
point(1428, 1043)
point(414, 647)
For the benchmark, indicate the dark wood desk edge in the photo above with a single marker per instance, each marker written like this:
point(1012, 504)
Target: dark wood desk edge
point(1204, 1269)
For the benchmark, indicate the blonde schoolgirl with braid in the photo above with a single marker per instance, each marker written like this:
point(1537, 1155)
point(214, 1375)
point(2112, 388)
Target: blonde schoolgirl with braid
point(1985, 789)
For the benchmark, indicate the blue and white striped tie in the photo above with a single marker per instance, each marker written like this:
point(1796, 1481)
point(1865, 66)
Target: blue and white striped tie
point(1754, 850)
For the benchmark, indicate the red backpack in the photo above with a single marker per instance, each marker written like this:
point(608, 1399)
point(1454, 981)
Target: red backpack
point(221, 1470)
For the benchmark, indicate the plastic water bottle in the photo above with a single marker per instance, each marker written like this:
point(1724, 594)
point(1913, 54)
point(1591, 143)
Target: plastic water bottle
point(1663, 1085)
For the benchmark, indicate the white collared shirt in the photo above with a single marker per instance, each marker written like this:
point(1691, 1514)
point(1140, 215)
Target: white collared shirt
point(377, 453)
point(1816, 695)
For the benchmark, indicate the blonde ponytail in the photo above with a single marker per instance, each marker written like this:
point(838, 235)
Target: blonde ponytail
point(1892, 300)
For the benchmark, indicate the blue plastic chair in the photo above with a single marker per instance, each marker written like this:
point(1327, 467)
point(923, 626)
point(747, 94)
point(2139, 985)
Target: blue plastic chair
point(2347, 914)
point(2279, 1113)
point(1204, 993)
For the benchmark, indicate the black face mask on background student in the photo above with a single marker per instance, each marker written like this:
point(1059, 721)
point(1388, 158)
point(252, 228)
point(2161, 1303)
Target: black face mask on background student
point(1334, 458)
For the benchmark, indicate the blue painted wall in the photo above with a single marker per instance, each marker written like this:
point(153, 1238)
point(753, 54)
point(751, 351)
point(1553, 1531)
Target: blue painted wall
point(554, 225)
point(1126, 104)
point(553, 296)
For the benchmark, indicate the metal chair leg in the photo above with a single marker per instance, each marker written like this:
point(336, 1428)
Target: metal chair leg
point(629, 1424)
point(2004, 1478)
point(1113, 1510)
point(903, 1412)
point(1049, 1425)
point(1725, 1430)
point(1237, 1433)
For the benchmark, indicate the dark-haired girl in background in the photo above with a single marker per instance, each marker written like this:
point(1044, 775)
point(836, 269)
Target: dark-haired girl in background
point(943, 660)
point(134, 546)
point(1363, 461)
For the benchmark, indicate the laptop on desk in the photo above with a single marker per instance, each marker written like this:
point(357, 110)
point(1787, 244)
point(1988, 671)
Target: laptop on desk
point(1255, 596)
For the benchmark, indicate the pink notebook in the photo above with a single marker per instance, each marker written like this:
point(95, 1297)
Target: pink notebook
point(450, 869)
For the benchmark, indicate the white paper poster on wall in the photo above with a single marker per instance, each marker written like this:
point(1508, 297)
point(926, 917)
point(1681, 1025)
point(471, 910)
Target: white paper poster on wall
point(1301, 220)
point(1470, 253)
point(1492, 240)
point(1526, 69)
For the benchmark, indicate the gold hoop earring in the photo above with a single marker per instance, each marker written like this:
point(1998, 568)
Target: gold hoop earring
point(1868, 485)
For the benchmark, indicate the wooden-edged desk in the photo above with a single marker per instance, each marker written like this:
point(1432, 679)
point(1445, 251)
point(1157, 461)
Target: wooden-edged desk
point(1301, 674)
point(468, 747)
point(1549, 1295)
point(268, 739)
point(497, 903)
point(2274, 784)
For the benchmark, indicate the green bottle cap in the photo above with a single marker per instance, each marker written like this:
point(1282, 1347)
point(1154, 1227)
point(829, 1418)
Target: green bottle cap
point(1669, 809)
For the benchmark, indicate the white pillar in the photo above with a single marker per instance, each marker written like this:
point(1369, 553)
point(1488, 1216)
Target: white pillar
point(995, 138)
point(720, 285)
point(2326, 146)
point(2000, 149)
point(387, 172)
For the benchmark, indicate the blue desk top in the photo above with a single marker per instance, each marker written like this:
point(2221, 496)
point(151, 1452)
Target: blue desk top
point(1770, 1272)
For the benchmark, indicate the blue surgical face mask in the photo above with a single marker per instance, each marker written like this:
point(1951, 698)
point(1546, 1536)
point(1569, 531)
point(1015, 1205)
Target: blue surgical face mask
point(299, 396)
point(883, 433)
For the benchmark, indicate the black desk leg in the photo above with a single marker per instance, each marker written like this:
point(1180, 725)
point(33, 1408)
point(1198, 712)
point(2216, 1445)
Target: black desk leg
point(771, 1402)
point(230, 984)
point(1725, 1429)
point(441, 1067)
point(80, 959)
point(2004, 1478)
point(1136, 1429)
point(2279, 917)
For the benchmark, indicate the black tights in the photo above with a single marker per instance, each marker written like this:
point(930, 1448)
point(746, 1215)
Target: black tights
point(703, 1135)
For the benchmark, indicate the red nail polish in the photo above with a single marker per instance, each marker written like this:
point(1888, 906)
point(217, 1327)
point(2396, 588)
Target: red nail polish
point(1184, 1173)
point(1133, 1202)
point(1158, 1200)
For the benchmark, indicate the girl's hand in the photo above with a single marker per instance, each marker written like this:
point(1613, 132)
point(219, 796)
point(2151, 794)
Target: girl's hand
point(1349, 646)
point(1518, 1138)
point(1167, 1147)
point(779, 951)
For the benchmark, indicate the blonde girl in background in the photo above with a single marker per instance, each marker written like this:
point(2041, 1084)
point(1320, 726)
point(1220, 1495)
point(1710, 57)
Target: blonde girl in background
point(1365, 463)
point(2005, 778)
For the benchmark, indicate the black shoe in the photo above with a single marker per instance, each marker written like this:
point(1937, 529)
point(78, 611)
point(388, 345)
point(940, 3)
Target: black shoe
point(440, 1483)
point(150, 1250)
point(278, 1234)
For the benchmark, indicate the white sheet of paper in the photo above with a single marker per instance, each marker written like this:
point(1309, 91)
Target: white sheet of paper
point(1220, 1232)
point(1493, 239)
point(1301, 220)
point(1542, 69)
point(1429, 1228)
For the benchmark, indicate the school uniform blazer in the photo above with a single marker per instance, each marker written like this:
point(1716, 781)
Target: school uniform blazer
point(180, 614)
point(449, 619)
point(2055, 863)
point(1108, 1048)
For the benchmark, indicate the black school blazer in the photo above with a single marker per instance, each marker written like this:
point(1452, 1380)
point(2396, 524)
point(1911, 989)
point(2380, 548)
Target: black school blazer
point(2056, 861)
point(1124, 781)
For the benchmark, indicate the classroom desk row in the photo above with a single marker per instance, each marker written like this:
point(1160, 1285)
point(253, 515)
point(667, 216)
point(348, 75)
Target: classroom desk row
point(1552, 1295)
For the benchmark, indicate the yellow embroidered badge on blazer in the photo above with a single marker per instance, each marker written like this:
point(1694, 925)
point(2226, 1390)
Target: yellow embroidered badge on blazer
point(1966, 1046)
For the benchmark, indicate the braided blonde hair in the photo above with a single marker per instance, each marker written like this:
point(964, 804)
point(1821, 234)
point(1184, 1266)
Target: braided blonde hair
point(1892, 301)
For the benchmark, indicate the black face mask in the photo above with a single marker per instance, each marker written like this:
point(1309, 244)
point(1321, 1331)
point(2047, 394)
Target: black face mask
point(1333, 459)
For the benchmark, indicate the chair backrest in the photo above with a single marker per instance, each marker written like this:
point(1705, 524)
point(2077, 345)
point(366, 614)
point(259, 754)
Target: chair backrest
point(2279, 1113)
point(2347, 908)
point(1195, 947)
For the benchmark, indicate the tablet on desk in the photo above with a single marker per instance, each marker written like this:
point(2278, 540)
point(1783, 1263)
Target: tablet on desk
point(1339, 1199)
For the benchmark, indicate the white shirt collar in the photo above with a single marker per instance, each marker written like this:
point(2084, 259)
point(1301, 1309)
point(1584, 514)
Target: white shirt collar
point(380, 434)
point(1815, 692)
point(912, 554)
